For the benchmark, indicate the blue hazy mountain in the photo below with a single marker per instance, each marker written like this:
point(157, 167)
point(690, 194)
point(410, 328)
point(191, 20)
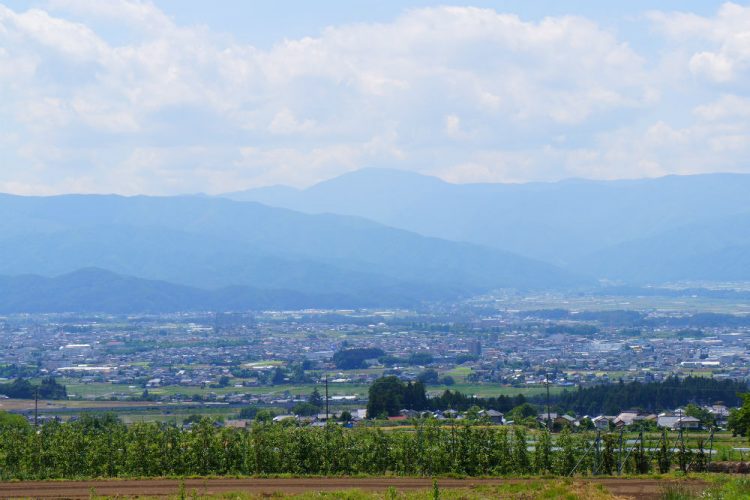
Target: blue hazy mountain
point(97, 290)
point(211, 243)
point(716, 250)
point(619, 225)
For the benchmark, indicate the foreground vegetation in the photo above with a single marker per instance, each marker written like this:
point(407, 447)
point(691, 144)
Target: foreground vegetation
point(104, 447)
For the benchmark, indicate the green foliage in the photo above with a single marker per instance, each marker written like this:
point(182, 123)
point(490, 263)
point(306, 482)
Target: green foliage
point(388, 395)
point(608, 455)
point(739, 419)
point(543, 452)
point(248, 412)
point(457, 401)
point(429, 376)
point(684, 456)
point(12, 420)
point(521, 412)
point(420, 358)
point(305, 409)
point(706, 418)
point(316, 399)
point(264, 415)
point(673, 392)
point(350, 359)
point(521, 461)
point(102, 446)
point(23, 389)
point(700, 462)
point(663, 456)
point(192, 419)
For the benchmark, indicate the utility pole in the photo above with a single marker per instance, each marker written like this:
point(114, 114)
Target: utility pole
point(549, 419)
point(36, 408)
point(326, 397)
point(598, 460)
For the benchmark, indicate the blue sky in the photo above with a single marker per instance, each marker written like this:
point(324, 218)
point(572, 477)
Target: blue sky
point(180, 96)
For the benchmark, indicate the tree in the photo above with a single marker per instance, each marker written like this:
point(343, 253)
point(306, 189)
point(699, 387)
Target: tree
point(385, 396)
point(543, 452)
point(50, 389)
point(521, 412)
point(11, 419)
point(447, 380)
point(305, 409)
point(421, 358)
point(520, 452)
point(351, 359)
point(429, 376)
point(279, 377)
point(700, 461)
point(345, 416)
point(264, 415)
point(473, 413)
point(664, 455)
point(192, 419)
point(608, 455)
point(248, 412)
point(705, 416)
point(586, 424)
point(316, 399)
point(739, 419)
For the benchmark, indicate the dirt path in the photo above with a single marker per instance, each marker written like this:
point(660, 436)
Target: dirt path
point(628, 488)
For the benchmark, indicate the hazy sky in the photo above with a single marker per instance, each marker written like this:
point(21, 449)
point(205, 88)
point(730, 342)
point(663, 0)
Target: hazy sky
point(180, 96)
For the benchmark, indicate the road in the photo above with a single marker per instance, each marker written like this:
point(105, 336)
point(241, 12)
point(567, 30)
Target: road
point(625, 488)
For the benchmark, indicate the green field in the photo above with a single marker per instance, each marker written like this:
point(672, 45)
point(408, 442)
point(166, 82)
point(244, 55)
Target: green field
point(104, 390)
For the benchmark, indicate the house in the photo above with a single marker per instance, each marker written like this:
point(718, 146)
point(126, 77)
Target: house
point(561, 421)
point(494, 416)
point(676, 422)
point(409, 413)
point(359, 414)
point(627, 418)
point(601, 422)
point(720, 413)
point(236, 424)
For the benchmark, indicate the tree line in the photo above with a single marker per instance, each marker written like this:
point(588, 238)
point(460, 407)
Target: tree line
point(21, 388)
point(389, 395)
point(673, 392)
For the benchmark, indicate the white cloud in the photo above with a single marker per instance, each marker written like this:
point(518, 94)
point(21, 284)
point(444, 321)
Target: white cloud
point(725, 40)
point(173, 108)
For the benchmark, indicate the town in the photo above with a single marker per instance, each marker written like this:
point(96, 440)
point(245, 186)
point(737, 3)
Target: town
point(218, 362)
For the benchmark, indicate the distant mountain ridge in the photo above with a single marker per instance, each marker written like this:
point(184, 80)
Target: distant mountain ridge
point(211, 244)
point(95, 290)
point(606, 229)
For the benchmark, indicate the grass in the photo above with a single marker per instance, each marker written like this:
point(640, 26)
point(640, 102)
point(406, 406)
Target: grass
point(724, 487)
point(535, 490)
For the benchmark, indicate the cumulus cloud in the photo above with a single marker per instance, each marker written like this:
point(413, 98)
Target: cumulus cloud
point(724, 40)
point(466, 93)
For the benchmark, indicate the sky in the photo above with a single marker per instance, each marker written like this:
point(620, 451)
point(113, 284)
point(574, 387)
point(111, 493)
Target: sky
point(183, 96)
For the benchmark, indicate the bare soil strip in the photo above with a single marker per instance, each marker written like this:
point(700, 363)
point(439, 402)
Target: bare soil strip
point(627, 488)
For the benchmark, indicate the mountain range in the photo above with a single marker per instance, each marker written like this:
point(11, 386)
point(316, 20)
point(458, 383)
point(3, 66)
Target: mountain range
point(212, 244)
point(374, 237)
point(638, 231)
